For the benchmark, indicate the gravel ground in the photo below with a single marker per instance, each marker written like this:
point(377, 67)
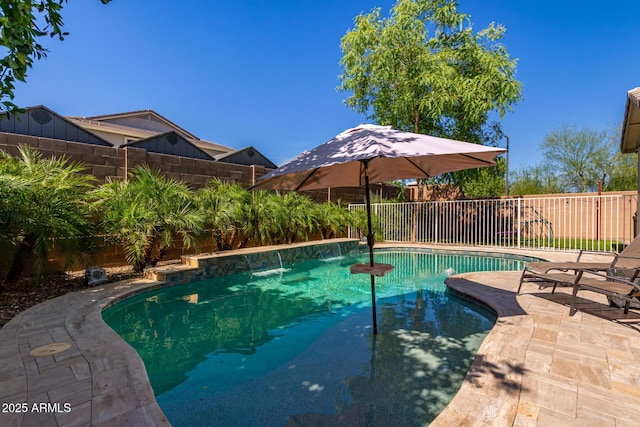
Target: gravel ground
point(31, 291)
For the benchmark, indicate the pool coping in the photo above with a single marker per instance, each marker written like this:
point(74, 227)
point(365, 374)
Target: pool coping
point(104, 381)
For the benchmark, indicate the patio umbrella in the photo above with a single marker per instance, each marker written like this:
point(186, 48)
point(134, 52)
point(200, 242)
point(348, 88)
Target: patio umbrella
point(371, 153)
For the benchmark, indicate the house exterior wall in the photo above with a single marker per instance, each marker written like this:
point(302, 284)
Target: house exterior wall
point(44, 123)
point(244, 158)
point(116, 139)
point(171, 143)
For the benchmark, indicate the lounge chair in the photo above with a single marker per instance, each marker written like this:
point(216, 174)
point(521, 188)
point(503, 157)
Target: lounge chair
point(623, 288)
point(628, 259)
point(612, 286)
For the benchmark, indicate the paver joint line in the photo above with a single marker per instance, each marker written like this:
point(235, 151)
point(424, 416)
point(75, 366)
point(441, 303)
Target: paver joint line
point(511, 382)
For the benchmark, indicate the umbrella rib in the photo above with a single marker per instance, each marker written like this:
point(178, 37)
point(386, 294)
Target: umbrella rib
point(304, 181)
point(488, 162)
point(462, 154)
point(418, 167)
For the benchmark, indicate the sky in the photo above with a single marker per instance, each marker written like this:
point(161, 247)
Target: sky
point(265, 72)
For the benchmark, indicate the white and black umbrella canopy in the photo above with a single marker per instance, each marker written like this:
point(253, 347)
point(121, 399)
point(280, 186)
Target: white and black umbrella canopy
point(371, 153)
point(389, 154)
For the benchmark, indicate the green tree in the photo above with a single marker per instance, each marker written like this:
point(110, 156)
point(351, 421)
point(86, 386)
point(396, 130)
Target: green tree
point(482, 183)
point(20, 37)
point(42, 201)
point(147, 214)
point(575, 160)
point(623, 173)
point(424, 69)
point(535, 180)
point(580, 157)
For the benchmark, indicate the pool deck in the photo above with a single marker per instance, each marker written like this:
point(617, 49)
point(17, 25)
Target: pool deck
point(537, 367)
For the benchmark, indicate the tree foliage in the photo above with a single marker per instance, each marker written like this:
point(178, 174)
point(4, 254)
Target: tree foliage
point(623, 173)
point(23, 23)
point(425, 70)
point(147, 214)
point(222, 205)
point(580, 157)
point(334, 219)
point(47, 202)
point(539, 179)
point(574, 160)
point(483, 183)
point(42, 200)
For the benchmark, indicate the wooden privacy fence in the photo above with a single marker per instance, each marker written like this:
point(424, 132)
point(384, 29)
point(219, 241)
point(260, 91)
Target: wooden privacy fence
point(592, 222)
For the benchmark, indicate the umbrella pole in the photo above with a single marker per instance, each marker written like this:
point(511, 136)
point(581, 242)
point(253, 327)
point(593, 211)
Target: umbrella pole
point(370, 241)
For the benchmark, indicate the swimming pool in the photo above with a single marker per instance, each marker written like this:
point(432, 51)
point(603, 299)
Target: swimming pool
point(294, 345)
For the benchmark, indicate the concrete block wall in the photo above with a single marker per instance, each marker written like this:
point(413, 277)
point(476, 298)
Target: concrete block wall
point(353, 194)
point(109, 163)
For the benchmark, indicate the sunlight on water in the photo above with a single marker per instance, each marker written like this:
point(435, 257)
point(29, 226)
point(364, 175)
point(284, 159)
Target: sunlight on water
point(296, 346)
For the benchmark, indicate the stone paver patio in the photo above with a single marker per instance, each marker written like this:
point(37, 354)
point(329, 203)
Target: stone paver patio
point(537, 367)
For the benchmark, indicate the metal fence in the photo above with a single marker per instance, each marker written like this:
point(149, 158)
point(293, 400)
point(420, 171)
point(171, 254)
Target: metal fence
point(598, 223)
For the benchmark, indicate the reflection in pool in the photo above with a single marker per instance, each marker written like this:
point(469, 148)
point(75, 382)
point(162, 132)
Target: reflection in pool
point(295, 347)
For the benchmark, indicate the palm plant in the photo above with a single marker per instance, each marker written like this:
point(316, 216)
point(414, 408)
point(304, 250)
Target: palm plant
point(259, 216)
point(334, 219)
point(221, 204)
point(297, 217)
point(360, 223)
point(147, 214)
point(42, 201)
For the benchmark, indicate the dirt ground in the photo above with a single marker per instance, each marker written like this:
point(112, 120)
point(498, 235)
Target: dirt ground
point(31, 291)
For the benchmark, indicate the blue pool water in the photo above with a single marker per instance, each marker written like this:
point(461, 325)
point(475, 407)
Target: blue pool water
point(294, 346)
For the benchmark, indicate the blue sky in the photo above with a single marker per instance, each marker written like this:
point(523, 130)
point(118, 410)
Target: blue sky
point(264, 73)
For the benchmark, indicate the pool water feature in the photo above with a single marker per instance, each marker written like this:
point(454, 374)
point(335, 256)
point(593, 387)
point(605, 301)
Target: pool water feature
point(251, 350)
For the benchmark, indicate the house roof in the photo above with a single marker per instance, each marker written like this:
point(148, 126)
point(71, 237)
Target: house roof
point(171, 143)
point(630, 139)
point(117, 123)
point(246, 156)
point(112, 127)
point(208, 145)
point(146, 114)
point(151, 130)
point(41, 121)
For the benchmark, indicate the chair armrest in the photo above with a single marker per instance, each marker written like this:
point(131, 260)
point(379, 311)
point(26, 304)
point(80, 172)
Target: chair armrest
point(583, 251)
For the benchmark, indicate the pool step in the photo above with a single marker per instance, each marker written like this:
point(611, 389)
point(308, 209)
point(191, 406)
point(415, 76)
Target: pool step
point(174, 273)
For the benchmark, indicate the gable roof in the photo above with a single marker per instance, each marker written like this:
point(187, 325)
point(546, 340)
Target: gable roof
point(111, 127)
point(171, 143)
point(138, 118)
point(630, 139)
point(246, 156)
point(40, 121)
point(144, 124)
point(211, 147)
